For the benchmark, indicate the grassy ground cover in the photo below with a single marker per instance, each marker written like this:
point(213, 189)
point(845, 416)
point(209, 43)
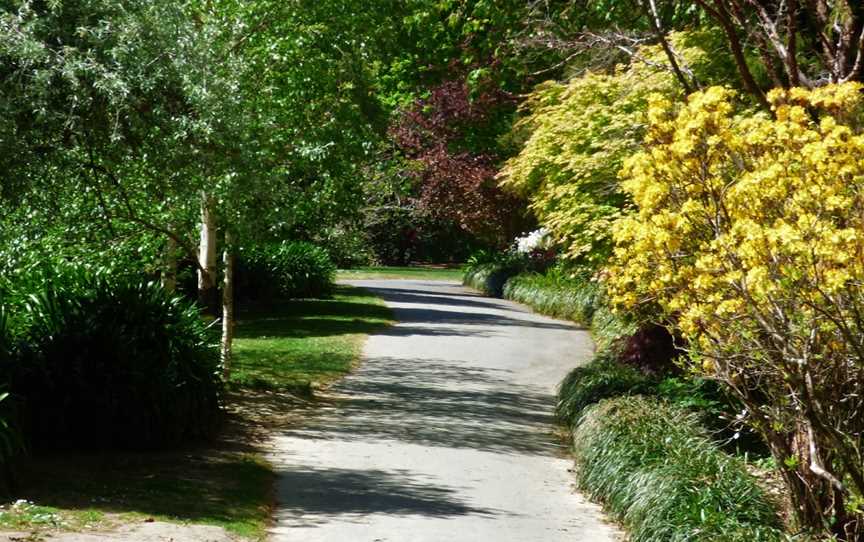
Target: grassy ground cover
point(208, 484)
point(555, 294)
point(655, 468)
point(488, 278)
point(292, 345)
point(306, 342)
point(413, 272)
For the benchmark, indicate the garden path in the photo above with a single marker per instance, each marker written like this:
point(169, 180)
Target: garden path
point(445, 433)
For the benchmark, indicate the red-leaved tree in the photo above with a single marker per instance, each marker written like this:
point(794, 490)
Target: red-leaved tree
point(451, 135)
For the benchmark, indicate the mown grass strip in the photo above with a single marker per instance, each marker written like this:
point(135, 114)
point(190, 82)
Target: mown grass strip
point(305, 343)
point(413, 272)
point(96, 491)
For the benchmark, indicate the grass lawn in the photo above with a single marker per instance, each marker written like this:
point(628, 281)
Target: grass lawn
point(416, 272)
point(304, 343)
point(288, 346)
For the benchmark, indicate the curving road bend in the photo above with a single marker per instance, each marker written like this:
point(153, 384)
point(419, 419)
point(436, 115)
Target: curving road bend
point(445, 432)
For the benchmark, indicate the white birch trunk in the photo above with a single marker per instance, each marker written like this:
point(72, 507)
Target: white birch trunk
point(227, 304)
point(207, 255)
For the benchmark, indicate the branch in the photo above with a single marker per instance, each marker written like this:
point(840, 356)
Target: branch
point(855, 72)
point(133, 217)
point(791, 44)
point(722, 16)
point(815, 466)
point(770, 29)
point(651, 8)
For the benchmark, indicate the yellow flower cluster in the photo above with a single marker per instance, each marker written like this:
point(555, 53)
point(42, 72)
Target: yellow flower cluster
point(749, 229)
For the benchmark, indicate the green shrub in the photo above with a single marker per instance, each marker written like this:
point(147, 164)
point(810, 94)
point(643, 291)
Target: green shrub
point(556, 294)
point(608, 328)
point(602, 378)
point(291, 269)
point(10, 441)
point(559, 292)
point(347, 247)
point(656, 470)
point(489, 270)
point(110, 362)
point(489, 278)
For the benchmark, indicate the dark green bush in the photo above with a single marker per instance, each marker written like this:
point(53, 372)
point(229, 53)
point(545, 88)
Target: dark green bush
point(489, 278)
point(291, 269)
point(399, 236)
point(110, 362)
point(489, 270)
point(600, 379)
point(654, 467)
point(347, 247)
point(10, 441)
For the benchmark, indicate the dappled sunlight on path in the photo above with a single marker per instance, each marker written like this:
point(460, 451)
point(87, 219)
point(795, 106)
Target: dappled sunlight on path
point(445, 433)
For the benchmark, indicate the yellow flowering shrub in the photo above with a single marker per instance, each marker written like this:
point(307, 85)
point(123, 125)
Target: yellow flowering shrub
point(575, 137)
point(748, 235)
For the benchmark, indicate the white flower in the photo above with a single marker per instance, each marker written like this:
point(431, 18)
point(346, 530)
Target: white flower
point(534, 240)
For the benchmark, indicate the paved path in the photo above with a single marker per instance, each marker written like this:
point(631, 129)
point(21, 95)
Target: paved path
point(443, 435)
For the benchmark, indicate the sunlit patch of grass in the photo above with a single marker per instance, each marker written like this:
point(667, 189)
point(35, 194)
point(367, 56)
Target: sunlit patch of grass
point(24, 514)
point(301, 344)
point(414, 272)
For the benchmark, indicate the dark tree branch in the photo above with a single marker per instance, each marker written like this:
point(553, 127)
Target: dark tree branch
point(651, 11)
point(721, 15)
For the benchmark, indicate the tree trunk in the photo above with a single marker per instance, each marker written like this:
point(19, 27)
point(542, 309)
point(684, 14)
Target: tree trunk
point(169, 271)
point(227, 304)
point(207, 295)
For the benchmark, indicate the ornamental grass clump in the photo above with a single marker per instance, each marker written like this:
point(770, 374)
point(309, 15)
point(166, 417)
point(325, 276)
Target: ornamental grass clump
point(488, 271)
point(655, 469)
point(111, 362)
point(600, 379)
point(748, 235)
point(555, 293)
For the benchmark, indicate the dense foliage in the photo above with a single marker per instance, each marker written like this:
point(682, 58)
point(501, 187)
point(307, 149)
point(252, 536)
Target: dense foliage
point(746, 237)
point(449, 136)
point(139, 139)
point(575, 137)
point(602, 378)
point(110, 362)
point(559, 292)
point(286, 270)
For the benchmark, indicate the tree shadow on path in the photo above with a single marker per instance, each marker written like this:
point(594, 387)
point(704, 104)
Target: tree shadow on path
point(311, 497)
